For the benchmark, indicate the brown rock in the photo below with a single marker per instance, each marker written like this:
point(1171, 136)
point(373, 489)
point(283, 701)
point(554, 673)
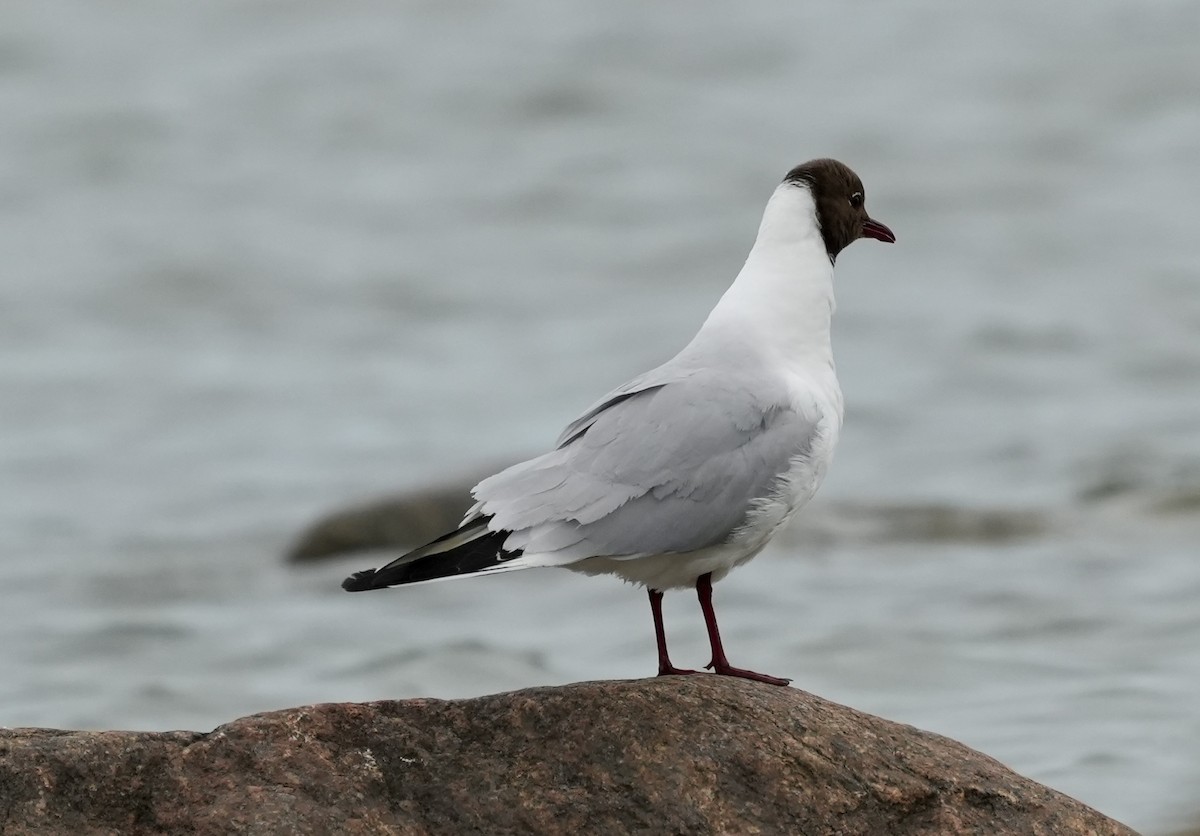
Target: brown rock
point(413, 519)
point(403, 521)
point(686, 755)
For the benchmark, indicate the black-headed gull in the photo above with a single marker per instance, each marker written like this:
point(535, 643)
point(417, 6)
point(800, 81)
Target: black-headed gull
point(688, 470)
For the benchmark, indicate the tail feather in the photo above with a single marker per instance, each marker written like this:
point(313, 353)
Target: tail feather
point(470, 549)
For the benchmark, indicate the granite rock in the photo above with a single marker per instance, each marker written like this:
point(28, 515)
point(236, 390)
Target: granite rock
point(689, 755)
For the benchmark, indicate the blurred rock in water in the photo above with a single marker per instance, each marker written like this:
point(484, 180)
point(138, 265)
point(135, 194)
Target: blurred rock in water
point(406, 520)
point(414, 518)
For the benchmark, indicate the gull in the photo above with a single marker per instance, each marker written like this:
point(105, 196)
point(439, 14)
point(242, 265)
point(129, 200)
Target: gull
point(686, 471)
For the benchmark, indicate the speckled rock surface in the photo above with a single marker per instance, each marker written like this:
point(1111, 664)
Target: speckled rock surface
point(686, 755)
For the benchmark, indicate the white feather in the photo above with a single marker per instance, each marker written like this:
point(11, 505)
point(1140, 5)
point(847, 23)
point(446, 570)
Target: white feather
point(771, 328)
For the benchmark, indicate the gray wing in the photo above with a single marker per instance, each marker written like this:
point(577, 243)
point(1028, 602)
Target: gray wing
point(667, 463)
point(653, 379)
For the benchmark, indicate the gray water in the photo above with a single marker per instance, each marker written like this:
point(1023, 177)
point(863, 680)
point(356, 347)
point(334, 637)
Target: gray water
point(264, 259)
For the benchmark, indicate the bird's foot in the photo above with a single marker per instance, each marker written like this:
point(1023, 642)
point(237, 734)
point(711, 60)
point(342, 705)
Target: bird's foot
point(741, 673)
point(671, 670)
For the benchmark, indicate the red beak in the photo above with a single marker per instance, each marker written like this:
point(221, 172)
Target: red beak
point(876, 230)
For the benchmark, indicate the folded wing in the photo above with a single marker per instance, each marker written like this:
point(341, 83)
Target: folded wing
point(671, 467)
point(669, 463)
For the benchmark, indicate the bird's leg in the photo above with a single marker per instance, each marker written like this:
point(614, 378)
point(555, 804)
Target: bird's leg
point(665, 667)
point(719, 663)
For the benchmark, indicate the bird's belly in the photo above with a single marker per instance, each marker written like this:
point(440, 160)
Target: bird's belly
point(669, 571)
point(792, 492)
point(766, 516)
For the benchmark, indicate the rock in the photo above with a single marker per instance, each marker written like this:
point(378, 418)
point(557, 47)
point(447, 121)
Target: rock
point(940, 522)
point(688, 755)
point(396, 522)
point(413, 519)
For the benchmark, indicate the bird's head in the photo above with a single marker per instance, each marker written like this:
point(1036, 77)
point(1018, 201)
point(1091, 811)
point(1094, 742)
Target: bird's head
point(841, 204)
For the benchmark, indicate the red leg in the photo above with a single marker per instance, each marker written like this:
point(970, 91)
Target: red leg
point(665, 667)
point(719, 663)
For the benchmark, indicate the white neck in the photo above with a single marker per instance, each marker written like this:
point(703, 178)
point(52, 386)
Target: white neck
point(782, 300)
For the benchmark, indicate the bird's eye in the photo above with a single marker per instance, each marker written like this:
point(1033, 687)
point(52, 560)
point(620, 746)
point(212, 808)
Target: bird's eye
point(856, 199)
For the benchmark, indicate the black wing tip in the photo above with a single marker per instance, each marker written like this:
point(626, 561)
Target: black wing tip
point(360, 581)
point(485, 551)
